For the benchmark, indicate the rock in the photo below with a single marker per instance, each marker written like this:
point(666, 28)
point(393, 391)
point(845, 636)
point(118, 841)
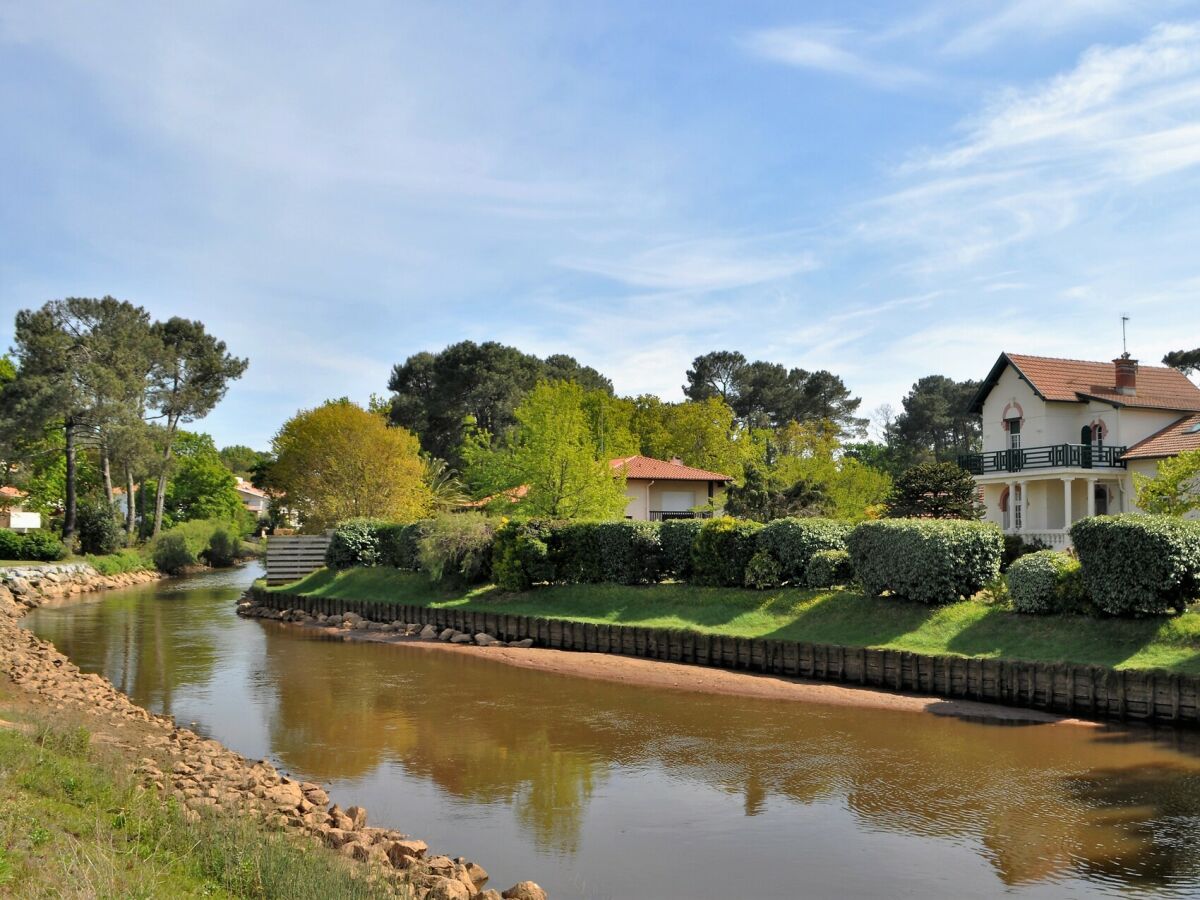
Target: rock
point(285, 796)
point(490, 895)
point(314, 794)
point(477, 873)
point(333, 621)
point(446, 634)
point(351, 617)
point(446, 889)
point(525, 890)
point(461, 639)
point(428, 633)
point(484, 640)
point(397, 850)
point(358, 816)
point(524, 645)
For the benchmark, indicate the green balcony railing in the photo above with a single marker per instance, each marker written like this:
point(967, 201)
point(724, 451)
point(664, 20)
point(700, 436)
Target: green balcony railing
point(1054, 456)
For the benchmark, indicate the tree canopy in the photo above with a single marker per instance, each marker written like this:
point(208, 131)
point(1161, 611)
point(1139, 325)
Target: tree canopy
point(935, 491)
point(340, 461)
point(1174, 489)
point(1186, 361)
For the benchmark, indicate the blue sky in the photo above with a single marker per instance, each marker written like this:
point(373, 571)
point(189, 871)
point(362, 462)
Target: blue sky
point(883, 190)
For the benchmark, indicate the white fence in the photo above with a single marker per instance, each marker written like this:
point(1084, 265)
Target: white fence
point(292, 556)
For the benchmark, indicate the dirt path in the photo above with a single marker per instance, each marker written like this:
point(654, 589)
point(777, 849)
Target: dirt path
point(679, 676)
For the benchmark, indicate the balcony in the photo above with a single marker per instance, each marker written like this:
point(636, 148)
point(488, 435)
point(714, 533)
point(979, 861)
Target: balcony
point(663, 515)
point(1055, 456)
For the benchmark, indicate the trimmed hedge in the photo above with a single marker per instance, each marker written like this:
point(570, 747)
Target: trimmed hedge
point(399, 545)
point(1046, 582)
point(521, 555)
point(792, 542)
point(928, 560)
point(1136, 564)
point(34, 546)
point(763, 571)
point(828, 568)
point(677, 537)
point(354, 542)
point(722, 550)
point(616, 552)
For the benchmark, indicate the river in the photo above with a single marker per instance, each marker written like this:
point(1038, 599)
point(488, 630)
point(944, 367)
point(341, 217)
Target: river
point(599, 790)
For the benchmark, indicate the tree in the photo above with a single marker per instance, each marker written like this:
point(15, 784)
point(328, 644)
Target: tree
point(190, 376)
point(1174, 490)
point(702, 433)
point(808, 461)
point(553, 450)
point(1186, 361)
point(240, 459)
point(201, 487)
point(935, 491)
point(762, 499)
point(436, 394)
point(716, 374)
point(340, 461)
point(936, 424)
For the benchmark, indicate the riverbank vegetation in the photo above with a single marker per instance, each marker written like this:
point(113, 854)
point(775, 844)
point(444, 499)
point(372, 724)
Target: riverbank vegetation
point(978, 627)
point(73, 822)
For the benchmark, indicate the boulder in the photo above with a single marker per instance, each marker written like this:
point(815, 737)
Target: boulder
point(525, 890)
point(428, 633)
point(333, 621)
point(398, 850)
point(524, 645)
point(461, 639)
point(285, 796)
point(358, 816)
point(446, 634)
point(483, 639)
point(446, 889)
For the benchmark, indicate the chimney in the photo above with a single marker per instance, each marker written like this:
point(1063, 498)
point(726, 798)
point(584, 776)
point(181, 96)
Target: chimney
point(1126, 374)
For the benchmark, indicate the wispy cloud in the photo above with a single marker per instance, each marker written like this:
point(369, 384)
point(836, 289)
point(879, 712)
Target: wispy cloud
point(824, 50)
point(1038, 19)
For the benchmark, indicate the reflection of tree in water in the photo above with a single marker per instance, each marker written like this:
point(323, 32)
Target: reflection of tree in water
point(148, 647)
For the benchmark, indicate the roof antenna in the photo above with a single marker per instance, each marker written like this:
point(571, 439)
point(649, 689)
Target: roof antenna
point(1124, 343)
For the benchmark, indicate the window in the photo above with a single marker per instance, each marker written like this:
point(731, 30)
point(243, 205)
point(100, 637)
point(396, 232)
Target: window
point(1101, 500)
point(1014, 434)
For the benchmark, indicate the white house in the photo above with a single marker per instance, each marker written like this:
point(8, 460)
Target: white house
point(13, 515)
point(661, 489)
point(1063, 437)
point(255, 500)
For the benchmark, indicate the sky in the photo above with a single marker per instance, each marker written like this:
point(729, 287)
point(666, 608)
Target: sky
point(884, 190)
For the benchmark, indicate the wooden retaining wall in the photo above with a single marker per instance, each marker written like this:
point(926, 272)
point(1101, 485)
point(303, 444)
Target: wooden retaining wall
point(292, 556)
point(1086, 691)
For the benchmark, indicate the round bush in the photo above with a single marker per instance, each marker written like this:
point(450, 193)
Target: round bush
point(1046, 582)
point(763, 572)
point(172, 554)
point(1137, 564)
point(794, 541)
point(222, 549)
point(827, 568)
point(99, 531)
point(42, 546)
point(354, 542)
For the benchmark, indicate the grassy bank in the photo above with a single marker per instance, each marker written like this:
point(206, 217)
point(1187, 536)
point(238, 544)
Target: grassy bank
point(833, 617)
point(73, 824)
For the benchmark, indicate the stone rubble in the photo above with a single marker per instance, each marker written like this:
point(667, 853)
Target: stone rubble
point(250, 608)
point(203, 775)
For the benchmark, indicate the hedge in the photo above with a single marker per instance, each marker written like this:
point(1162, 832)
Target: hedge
point(521, 555)
point(928, 560)
point(616, 552)
point(763, 572)
point(722, 550)
point(398, 545)
point(677, 537)
point(456, 548)
point(35, 546)
point(1136, 564)
point(828, 568)
point(1046, 582)
point(354, 542)
point(794, 541)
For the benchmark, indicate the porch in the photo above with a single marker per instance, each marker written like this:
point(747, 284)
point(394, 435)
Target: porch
point(1044, 508)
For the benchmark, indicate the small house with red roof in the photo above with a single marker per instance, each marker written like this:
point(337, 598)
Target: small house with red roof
point(667, 489)
point(1062, 438)
point(13, 515)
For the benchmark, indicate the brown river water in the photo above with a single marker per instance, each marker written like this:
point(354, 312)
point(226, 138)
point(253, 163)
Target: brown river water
point(598, 789)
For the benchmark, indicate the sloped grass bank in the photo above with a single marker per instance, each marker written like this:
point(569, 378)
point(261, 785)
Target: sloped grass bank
point(837, 616)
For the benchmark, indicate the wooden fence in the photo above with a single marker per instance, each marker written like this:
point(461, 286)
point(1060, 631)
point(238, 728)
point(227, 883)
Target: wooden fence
point(293, 556)
point(1087, 691)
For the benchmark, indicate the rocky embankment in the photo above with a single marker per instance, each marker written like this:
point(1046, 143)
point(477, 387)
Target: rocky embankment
point(204, 776)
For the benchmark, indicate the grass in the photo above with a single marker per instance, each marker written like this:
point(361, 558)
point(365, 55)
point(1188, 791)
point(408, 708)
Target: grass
point(129, 559)
point(73, 824)
point(840, 616)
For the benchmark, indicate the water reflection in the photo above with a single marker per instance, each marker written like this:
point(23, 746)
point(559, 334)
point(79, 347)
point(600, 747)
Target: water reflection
point(593, 786)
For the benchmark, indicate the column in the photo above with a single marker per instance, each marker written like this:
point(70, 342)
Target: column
point(1091, 489)
point(1024, 505)
point(1067, 482)
point(1010, 517)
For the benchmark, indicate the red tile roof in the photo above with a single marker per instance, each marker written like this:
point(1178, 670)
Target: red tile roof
point(661, 470)
point(9, 491)
point(1158, 387)
point(1175, 438)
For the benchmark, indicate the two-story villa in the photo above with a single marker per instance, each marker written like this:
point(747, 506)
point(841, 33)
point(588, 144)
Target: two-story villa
point(1062, 437)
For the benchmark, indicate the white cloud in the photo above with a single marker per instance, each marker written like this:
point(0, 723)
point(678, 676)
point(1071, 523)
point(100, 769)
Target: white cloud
point(1037, 19)
point(822, 49)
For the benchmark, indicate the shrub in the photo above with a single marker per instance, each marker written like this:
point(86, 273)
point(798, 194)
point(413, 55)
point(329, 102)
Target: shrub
point(827, 568)
point(677, 537)
point(99, 531)
point(398, 545)
point(722, 551)
point(794, 541)
point(172, 554)
point(127, 560)
point(42, 546)
point(457, 548)
point(1046, 582)
point(354, 542)
point(521, 555)
point(222, 549)
point(935, 491)
point(1016, 546)
point(12, 545)
point(931, 561)
point(1139, 564)
point(616, 552)
point(763, 571)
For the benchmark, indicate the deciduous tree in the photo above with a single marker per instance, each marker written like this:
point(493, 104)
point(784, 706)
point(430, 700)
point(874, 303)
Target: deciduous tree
point(1175, 489)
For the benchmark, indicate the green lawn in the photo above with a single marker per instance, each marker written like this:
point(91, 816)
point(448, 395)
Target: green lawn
point(834, 617)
